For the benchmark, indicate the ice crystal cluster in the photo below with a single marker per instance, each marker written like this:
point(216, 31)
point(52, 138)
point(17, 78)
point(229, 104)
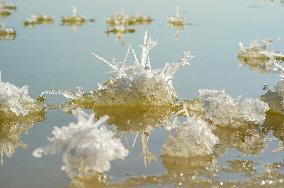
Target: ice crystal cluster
point(221, 109)
point(11, 131)
point(16, 100)
point(261, 49)
point(138, 83)
point(87, 146)
point(74, 19)
point(176, 21)
point(7, 33)
point(191, 138)
point(38, 19)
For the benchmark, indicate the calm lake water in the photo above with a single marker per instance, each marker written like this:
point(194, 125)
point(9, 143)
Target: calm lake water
point(56, 56)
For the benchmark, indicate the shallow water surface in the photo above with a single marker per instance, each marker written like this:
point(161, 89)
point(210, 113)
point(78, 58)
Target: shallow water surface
point(59, 56)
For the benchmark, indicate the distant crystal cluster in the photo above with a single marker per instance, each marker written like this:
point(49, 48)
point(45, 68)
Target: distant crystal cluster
point(6, 9)
point(38, 19)
point(120, 24)
point(192, 137)
point(74, 19)
point(7, 33)
point(128, 20)
point(137, 83)
point(87, 146)
point(221, 109)
point(176, 21)
point(16, 100)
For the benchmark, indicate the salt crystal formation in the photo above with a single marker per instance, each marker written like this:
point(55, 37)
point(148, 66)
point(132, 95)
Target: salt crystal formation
point(247, 138)
point(191, 138)
point(260, 49)
point(137, 83)
point(223, 110)
point(38, 19)
point(75, 19)
point(88, 146)
point(176, 21)
point(16, 101)
point(7, 33)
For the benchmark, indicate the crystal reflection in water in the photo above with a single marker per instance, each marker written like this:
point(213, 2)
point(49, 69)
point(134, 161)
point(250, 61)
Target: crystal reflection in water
point(11, 129)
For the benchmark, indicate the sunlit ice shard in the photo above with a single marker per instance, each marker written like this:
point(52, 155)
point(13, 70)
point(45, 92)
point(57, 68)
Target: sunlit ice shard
point(138, 83)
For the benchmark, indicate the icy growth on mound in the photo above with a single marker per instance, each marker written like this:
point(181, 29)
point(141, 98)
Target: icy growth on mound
point(88, 146)
point(260, 49)
point(137, 83)
point(190, 138)
point(16, 100)
point(222, 109)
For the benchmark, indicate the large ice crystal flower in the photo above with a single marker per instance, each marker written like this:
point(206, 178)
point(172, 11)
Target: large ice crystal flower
point(138, 83)
point(221, 109)
point(88, 146)
point(15, 100)
point(193, 137)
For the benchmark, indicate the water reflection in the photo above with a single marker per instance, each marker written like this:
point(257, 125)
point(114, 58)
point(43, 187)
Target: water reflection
point(248, 139)
point(11, 130)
